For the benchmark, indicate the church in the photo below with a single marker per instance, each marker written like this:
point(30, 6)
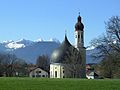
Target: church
point(58, 67)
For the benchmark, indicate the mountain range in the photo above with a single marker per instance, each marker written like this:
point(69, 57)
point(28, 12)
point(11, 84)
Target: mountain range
point(30, 50)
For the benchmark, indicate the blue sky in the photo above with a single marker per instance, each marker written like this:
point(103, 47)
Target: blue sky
point(33, 19)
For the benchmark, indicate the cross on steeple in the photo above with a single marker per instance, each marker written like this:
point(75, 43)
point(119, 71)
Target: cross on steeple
point(79, 13)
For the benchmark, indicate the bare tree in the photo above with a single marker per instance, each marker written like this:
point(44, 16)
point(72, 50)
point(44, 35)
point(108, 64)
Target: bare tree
point(113, 32)
point(108, 49)
point(73, 63)
point(10, 64)
point(43, 62)
point(21, 67)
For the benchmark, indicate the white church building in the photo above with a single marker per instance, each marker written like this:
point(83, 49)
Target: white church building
point(57, 68)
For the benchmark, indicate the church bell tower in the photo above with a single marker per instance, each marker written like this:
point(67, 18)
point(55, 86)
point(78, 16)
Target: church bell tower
point(79, 33)
point(79, 43)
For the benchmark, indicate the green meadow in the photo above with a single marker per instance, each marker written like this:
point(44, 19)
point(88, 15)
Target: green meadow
point(58, 84)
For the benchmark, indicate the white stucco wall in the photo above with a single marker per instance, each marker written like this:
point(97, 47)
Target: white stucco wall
point(56, 67)
point(79, 41)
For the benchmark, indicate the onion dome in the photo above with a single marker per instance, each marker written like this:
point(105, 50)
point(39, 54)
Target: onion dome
point(79, 25)
point(59, 53)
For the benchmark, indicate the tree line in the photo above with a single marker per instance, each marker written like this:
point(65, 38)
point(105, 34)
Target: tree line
point(11, 66)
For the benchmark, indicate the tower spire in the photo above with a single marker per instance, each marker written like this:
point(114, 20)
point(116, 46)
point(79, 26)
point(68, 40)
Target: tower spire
point(65, 32)
point(79, 33)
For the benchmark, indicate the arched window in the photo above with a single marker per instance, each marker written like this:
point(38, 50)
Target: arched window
point(55, 73)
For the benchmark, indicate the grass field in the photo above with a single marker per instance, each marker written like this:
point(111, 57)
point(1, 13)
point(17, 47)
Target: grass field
point(57, 84)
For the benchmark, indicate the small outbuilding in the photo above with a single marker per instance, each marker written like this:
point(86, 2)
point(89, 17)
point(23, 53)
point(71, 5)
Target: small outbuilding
point(92, 75)
point(38, 72)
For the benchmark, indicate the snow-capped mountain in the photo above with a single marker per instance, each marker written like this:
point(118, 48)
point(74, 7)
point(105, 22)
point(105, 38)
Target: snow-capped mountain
point(6, 42)
point(90, 48)
point(54, 40)
point(17, 44)
point(30, 53)
point(30, 50)
point(39, 40)
point(24, 41)
point(14, 45)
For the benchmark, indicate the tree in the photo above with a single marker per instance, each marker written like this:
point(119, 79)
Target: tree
point(21, 67)
point(7, 64)
point(10, 64)
point(108, 49)
point(73, 63)
point(43, 62)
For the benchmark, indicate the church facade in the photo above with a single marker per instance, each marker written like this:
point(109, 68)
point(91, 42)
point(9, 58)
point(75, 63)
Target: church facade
point(58, 68)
